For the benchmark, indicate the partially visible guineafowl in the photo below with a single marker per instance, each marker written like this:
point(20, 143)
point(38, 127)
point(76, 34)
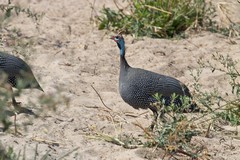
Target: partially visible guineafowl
point(137, 86)
point(14, 72)
point(17, 74)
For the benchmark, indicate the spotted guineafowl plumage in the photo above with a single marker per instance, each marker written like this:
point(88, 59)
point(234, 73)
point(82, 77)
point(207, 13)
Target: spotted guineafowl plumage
point(17, 73)
point(137, 86)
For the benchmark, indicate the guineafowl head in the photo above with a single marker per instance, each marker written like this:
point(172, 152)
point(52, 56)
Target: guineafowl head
point(120, 42)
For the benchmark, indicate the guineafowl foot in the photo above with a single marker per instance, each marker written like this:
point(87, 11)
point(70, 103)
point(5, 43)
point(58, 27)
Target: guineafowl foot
point(15, 103)
point(19, 109)
point(152, 126)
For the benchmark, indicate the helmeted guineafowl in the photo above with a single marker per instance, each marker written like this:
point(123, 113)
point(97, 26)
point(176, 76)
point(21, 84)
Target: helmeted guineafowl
point(14, 72)
point(137, 86)
point(17, 73)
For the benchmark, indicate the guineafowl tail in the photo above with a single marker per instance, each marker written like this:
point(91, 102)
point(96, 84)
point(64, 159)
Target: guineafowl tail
point(34, 84)
point(39, 87)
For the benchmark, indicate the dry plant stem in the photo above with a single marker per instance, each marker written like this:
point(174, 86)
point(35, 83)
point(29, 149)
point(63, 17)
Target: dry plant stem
point(121, 9)
point(46, 141)
point(109, 110)
point(116, 141)
point(184, 153)
point(92, 9)
point(133, 115)
point(107, 138)
point(158, 9)
point(233, 102)
point(91, 106)
point(101, 98)
point(116, 4)
point(67, 154)
point(145, 131)
point(165, 154)
point(208, 130)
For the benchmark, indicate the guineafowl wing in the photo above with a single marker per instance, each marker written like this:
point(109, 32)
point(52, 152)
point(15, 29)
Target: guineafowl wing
point(17, 71)
point(138, 86)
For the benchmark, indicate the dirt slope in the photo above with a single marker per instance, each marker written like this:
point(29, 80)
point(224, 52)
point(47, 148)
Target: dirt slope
point(69, 52)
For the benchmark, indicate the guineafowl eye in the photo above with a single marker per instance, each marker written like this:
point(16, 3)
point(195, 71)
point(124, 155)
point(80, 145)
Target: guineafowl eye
point(117, 38)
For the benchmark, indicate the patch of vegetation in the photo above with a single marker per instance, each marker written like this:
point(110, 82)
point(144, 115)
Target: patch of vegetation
point(160, 18)
point(21, 44)
point(13, 37)
point(164, 18)
point(227, 108)
point(10, 8)
point(7, 154)
point(10, 154)
point(175, 130)
point(172, 133)
point(175, 137)
point(231, 114)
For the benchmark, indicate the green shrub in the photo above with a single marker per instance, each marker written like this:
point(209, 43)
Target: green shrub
point(159, 18)
point(10, 8)
point(231, 114)
point(227, 108)
point(7, 154)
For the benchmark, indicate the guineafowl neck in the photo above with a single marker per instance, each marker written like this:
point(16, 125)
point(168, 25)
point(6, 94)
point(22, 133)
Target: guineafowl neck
point(123, 63)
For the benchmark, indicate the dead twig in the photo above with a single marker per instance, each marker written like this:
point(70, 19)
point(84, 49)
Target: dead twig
point(208, 131)
point(184, 153)
point(91, 106)
point(45, 141)
point(134, 115)
point(158, 9)
point(145, 131)
point(114, 140)
point(93, 10)
point(101, 99)
point(234, 102)
point(121, 8)
point(68, 153)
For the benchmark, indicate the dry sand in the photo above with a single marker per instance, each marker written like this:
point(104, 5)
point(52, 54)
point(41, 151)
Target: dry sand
point(69, 52)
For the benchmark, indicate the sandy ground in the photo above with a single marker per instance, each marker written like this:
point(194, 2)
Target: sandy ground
point(69, 52)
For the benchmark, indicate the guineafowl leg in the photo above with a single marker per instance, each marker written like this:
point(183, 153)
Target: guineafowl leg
point(155, 116)
point(14, 103)
point(17, 107)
